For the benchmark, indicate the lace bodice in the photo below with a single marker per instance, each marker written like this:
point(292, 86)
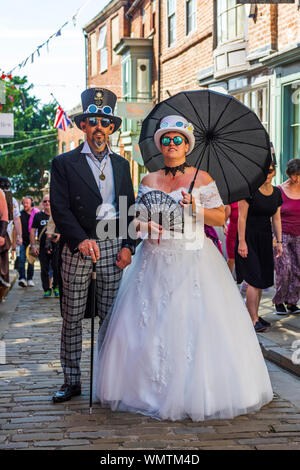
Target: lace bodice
point(205, 196)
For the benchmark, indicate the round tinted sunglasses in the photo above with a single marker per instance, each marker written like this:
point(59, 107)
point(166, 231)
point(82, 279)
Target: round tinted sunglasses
point(165, 141)
point(103, 121)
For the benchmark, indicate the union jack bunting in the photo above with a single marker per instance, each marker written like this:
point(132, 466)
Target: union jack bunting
point(61, 119)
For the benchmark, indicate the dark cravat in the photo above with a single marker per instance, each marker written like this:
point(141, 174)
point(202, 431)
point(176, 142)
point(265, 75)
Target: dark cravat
point(100, 155)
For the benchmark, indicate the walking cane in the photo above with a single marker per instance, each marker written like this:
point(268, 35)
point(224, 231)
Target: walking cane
point(93, 307)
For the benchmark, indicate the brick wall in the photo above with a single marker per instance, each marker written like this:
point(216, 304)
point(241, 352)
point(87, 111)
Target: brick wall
point(147, 29)
point(137, 29)
point(71, 135)
point(111, 78)
point(260, 30)
point(275, 26)
point(288, 25)
point(278, 25)
point(181, 62)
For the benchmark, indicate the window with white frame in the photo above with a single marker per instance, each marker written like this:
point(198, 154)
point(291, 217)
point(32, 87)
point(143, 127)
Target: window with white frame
point(152, 23)
point(171, 13)
point(143, 21)
point(126, 84)
point(102, 46)
point(126, 90)
point(190, 15)
point(143, 79)
point(257, 100)
point(114, 38)
point(230, 20)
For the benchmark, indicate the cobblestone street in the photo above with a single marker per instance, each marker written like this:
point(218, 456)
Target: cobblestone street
point(30, 327)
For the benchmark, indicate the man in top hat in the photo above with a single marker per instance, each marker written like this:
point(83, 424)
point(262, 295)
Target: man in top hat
point(86, 184)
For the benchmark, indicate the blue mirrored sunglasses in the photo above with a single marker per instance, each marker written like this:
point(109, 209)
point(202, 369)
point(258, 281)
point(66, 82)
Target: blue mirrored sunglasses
point(165, 141)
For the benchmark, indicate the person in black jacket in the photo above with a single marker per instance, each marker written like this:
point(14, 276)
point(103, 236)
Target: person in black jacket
point(47, 257)
point(87, 184)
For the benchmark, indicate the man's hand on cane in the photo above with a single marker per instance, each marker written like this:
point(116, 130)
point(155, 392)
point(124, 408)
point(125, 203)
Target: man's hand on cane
point(89, 248)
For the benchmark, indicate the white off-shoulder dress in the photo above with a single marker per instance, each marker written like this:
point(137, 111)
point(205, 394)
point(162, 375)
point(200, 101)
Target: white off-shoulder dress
point(179, 341)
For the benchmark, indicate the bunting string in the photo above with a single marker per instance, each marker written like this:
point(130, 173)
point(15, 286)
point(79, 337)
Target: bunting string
point(27, 140)
point(26, 148)
point(36, 52)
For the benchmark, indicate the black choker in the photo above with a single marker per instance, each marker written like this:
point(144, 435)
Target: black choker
point(174, 169)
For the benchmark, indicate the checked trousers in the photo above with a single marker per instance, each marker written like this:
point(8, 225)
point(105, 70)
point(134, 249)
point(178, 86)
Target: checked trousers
point(76, 271)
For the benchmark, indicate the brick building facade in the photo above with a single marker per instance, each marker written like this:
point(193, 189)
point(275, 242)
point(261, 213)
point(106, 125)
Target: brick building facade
point(257, 60)
point(147, 50)
point(103, 66)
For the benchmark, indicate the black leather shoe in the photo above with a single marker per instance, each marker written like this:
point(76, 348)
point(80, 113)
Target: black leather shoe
point(264, 322)
point(280, 309)
point(66, 393)
point(293, 308)
point(259, 327)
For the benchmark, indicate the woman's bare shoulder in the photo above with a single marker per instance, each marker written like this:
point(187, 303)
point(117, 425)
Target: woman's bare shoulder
point(150, 179)
point(203, 178)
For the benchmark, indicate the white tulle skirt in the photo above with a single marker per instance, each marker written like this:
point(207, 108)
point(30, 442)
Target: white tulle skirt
point(179, 341)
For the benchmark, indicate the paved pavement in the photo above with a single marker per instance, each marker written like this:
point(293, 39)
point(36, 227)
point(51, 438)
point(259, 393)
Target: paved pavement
point(30, 328)
point(279, 341)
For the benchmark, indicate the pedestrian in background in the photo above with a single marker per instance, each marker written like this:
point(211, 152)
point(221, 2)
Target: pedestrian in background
point(211, 233)
point(287, 267)
point(254, 261)
point(14, 228)
point(4, 246)
point(27, 215)
point(230, 230)
point(39, 227)
point(52, 248)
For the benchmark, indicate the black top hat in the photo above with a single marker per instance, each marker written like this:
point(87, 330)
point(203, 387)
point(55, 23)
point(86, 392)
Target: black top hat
point(98, 102)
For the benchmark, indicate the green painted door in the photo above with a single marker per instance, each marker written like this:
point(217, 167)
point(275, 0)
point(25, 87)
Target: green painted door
point(291, 124)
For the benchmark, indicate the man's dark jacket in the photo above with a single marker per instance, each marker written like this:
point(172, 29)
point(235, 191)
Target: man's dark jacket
point(75, 197)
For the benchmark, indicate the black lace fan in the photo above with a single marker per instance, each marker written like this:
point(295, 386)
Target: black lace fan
point(161, 208)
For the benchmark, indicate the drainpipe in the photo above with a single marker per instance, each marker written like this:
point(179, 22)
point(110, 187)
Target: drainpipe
point(86, 57)
point(159, 47)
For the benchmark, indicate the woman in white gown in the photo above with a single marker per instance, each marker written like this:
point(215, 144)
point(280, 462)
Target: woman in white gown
point(179, 341)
